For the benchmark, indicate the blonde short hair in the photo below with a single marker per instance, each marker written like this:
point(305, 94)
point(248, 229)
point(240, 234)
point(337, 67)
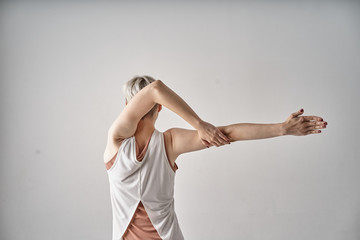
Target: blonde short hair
point(134, 85)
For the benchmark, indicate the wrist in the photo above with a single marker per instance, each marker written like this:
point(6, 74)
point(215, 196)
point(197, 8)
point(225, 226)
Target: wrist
point(282, 129)
point(198, 123)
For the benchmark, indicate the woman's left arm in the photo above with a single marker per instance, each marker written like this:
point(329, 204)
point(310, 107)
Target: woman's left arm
point(294, 125)
point(184, 140)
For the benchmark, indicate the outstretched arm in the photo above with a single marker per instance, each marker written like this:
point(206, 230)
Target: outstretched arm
point(298, 126)
point(184, 140)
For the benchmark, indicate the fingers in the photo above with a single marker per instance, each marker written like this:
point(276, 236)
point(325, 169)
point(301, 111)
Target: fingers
point(215, 142)
point(224, 137)
point(315, 123)
point(221, 138)
point(218, 141)
point(313, 132)
point(315, 118)
point(295, 114)
point(218, 138)
point(314, 126)
point(206, 143)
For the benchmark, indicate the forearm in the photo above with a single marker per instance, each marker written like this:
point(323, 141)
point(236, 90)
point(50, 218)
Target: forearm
point(252, 131)
point(169, 99)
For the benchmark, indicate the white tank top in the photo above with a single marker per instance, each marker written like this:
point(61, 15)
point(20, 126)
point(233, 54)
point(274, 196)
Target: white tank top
point(150, 181)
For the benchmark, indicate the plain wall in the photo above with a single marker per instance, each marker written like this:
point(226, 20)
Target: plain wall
point(62, 70)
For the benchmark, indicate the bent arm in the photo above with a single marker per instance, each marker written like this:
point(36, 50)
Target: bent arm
point(126, 123)
point(157, 92)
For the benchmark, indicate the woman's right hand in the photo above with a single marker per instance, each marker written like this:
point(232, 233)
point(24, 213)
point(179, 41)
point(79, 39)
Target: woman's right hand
point(211, 135)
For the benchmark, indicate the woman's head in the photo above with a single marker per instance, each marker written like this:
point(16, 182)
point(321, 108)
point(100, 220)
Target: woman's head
point(134, 85)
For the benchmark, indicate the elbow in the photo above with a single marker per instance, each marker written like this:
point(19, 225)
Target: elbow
point(112, 133)
point(157, 88)
point(158, 85)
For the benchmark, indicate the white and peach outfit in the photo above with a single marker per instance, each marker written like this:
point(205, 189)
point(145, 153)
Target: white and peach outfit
point(142, 191)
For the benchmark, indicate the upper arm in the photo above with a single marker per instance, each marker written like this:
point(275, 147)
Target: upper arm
point(186, 140)
point(112, 147)
point(126, 123)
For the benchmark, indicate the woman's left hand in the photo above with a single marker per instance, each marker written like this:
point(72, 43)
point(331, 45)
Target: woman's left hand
point(211, 135)
point(303, 125)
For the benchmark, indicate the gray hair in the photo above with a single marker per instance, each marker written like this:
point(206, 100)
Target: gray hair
point(134, 85)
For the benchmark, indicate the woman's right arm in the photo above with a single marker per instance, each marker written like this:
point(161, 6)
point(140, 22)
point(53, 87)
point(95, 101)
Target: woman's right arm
point(157, 92)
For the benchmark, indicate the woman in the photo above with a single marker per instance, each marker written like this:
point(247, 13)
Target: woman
point(140, 160)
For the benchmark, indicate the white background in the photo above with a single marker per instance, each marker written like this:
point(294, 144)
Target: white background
point(62, 70)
